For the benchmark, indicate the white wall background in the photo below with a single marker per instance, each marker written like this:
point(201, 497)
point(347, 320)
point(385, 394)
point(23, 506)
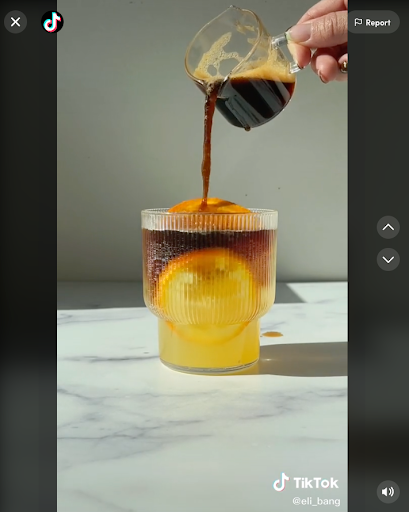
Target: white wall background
point(130, 127)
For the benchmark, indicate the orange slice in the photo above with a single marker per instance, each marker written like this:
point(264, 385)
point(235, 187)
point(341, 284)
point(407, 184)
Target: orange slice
point(214, 205)
point(214, 222)
point(208, 288)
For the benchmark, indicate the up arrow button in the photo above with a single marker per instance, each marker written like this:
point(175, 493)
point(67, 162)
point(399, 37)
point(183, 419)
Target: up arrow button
point(388, 227)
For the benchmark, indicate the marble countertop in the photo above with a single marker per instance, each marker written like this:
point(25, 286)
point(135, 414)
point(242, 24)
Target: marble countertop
point(134, 436)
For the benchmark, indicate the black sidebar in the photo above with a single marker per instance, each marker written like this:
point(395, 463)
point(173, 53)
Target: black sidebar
point(28, 179)
point(378, 114)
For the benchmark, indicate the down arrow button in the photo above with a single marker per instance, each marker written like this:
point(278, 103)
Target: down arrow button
point(388, 259)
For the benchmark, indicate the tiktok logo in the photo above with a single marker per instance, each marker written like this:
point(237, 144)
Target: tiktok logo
point(52, 21)
point(306, 483)
point(279, 485)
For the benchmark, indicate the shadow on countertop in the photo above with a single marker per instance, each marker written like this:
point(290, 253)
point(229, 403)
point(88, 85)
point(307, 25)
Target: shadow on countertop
point(302, 360)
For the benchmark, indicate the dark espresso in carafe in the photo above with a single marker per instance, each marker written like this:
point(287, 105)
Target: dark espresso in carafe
point(251, 102)
point(253, 97)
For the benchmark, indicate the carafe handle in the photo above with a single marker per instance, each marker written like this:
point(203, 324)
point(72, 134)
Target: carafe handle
point(280, 42)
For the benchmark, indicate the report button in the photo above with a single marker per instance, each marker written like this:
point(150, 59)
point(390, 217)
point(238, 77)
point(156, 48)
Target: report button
point(373, 22)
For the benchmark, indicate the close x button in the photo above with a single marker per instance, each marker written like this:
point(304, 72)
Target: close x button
point(15, 22)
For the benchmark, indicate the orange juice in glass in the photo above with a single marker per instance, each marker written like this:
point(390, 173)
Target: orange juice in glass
point(209, 278)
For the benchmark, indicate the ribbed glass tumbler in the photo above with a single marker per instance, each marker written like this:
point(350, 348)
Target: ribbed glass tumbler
point(209, 278)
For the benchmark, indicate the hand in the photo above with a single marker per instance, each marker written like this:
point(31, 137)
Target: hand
point(324, 28)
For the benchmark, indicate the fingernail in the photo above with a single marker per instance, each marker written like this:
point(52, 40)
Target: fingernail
point(299, 33)
point(322, 78)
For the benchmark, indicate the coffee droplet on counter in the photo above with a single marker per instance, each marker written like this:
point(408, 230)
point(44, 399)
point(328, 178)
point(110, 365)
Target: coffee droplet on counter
point(272, 334)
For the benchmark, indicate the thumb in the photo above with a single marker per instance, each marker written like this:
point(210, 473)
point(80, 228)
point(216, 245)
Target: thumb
point(324, 32)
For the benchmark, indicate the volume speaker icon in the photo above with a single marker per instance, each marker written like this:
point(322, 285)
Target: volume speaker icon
point(388, 491)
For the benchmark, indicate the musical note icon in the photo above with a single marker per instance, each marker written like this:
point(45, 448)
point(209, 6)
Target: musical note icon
point(52, 21)
point(279, 485)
